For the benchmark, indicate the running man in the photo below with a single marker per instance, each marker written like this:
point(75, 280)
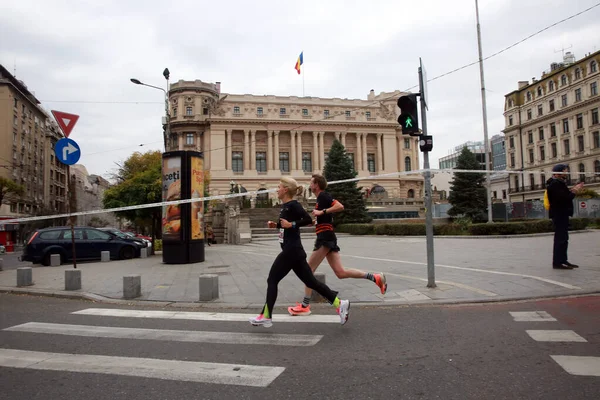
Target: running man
point(293, 256)
point(326, 245)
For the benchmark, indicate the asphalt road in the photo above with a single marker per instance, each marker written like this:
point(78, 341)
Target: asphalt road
point(410, 352)
point(11, 261)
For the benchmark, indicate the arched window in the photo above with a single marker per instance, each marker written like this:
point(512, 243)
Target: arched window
point(563, 80)
point(551, 85)
point(262, 196)
point(577, 73)
point(407, 166)
point(411, 194)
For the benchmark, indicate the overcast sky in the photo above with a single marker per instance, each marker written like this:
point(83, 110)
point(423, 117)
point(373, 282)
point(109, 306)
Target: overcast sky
point(78, 57)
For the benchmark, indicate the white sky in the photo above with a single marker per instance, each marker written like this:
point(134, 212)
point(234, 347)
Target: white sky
point(78, 57)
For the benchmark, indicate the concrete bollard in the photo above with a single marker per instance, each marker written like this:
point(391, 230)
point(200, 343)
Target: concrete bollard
point(316, 297)
point(24, 276)
point(104, 256)
point(144, 252)
point(55, 260)
point(132, 286)
point(209, 287)
point(72, 279)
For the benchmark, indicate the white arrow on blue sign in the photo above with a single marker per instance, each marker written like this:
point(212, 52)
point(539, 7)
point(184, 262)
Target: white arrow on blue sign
point(67, 151)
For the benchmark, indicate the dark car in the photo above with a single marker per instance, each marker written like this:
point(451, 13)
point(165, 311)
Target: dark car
point(125, 235)
point(89, 243)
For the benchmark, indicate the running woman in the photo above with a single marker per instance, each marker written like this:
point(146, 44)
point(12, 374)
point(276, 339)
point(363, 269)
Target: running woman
point(326, 245)
point(293, 256)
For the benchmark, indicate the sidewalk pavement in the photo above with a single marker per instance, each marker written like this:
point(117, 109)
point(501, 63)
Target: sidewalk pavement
point(467, 270)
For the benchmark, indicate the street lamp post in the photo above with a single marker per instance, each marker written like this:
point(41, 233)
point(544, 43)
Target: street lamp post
point(166, 74)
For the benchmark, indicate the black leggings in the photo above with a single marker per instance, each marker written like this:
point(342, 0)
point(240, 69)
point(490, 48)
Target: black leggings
point(293, 260)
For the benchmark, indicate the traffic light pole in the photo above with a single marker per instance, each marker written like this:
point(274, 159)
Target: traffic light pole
point(428, 199)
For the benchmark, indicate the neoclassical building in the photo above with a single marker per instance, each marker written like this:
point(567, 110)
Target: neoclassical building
point(253, 140)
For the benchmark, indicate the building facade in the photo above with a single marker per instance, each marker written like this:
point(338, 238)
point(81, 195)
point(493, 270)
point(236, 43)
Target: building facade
point(477, 148)
point(253, 140)
point(499, 182)
point(554, 120)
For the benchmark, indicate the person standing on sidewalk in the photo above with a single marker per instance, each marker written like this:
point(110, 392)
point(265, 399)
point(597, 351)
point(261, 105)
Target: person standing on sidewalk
point(561, 208)
point(326, 245)
point(293, 256)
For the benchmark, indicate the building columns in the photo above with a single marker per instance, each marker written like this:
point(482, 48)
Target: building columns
point(322, 151)
point(293, 165)
point(276, 151)
point(269, 150)
point(359, 164)
point(344, 139)
point(379, 153)
point(252, 150)
point(315, 159)
point(228, 134)
point(365, 163)
point(299, 150)
point(246, 149)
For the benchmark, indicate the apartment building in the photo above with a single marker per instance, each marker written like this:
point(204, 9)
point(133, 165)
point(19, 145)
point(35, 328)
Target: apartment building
point(554, 120)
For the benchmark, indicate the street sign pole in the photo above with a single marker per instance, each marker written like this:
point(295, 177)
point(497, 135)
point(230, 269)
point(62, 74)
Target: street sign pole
point(428, 200)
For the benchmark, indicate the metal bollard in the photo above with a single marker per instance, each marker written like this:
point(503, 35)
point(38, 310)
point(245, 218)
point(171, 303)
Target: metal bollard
point(209, 287)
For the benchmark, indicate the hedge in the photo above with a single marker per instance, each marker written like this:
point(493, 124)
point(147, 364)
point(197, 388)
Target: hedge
point(453, 229)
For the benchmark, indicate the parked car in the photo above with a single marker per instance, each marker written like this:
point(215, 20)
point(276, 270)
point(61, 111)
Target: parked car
point(89, 244)
point(127, 235)
point(147, 239)
point(2, 249)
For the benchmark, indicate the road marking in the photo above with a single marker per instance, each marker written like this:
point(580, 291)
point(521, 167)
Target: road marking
point(177, 370)
point(576, 365)
point(175, 335)
point(202, 316)
point(529, 316)
point(553, 282)
point(555, 336)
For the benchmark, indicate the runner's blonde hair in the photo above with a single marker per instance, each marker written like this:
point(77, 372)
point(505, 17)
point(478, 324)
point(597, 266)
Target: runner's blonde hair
point(293, 189)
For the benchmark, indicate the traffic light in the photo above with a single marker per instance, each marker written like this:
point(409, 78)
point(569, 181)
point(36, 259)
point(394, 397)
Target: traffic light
point(409, 115)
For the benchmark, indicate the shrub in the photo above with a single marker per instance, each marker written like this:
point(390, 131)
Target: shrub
point(356, 229)
point(157, 244)
point(578, 224)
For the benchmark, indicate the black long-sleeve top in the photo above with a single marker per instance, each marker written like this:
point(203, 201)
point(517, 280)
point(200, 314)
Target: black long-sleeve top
point(560, 197)
point(292, 211)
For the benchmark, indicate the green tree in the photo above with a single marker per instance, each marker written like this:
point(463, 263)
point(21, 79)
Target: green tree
point(9, 189)
point(467, 190)
point(339, 167)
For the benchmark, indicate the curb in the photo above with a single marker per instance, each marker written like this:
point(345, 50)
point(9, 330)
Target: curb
point(480, 236)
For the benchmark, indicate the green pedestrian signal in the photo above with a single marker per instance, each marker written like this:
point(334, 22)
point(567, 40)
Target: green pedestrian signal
point(409, 115)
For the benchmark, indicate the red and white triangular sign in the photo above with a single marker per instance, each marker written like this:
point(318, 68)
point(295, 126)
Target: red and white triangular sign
point(65, 121)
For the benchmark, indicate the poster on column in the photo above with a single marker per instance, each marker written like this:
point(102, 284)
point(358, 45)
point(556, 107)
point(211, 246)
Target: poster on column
point(197, 190)
point(171, 221)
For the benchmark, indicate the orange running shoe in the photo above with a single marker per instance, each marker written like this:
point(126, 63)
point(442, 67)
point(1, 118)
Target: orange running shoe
point(299, 310)
point(381, 282)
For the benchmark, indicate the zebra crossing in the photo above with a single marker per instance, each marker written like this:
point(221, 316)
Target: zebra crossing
point(574, 365)
point(190, 371)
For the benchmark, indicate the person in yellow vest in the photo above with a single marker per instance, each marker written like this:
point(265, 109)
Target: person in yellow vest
point(561, 208)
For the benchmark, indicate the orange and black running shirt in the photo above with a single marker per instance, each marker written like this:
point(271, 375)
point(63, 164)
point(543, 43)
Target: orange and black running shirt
point(324, 222)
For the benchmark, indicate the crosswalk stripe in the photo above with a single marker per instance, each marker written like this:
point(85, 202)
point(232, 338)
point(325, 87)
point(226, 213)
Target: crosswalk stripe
point(555, 336)
point(163, 334)
point(190, 371)
point(531, 316)
point(202, 316)
point(578, 365)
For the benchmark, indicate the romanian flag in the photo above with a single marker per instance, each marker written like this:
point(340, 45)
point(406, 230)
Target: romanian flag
point(299, 62)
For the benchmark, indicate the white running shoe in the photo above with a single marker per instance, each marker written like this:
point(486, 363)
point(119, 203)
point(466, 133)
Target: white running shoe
point(261, 321)
point(344, 311)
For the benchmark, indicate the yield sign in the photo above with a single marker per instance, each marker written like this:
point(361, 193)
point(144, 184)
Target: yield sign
point(65, 121)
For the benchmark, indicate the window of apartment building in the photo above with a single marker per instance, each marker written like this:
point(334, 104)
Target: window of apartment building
point(189, 138)
point(528, 96)
point(563, 100)
point(541, 133)
point(577, 73)
point(407, 164)
point(581, 172)
point(577, 94)
point(579, 119)
point(236, 110)
point(326, 113)
point(15, 120)
point(539, 91)
point(261, 161)
point(580, 143)
point(510, 103)
point(594, 116)
point(307, 162)
point(282, 111)
point(593, 66)
point(567, 147)
point(551, 103)
point(174, 112)
point(512, 159)
point(596, 136)
point(531, 156)
point(407, 143)
point(259, 111)
point(563, 80)
point(503, 194)
point(529, 114)
point(593, 88)
point(532, 181)
point(205, 111)
point(494, 194)
point(530, 137)
point(510, 120)
point(174, 142)
point(371, 162)
point(540, 110)
point(237, 161)
point(368, 114)
point(189, 111)
point(305, 112)
point(543, 178)
point(351, 157)
point(517, 183)
point(554, 150)
point(596, 166)
point(553, 130)
point(542, 153)
point(551, 86)
point(284, 162)
point(565, 123)
point(347, 113)
point(511, 142)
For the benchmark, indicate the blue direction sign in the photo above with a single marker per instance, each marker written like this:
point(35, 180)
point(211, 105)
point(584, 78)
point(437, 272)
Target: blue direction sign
point(67, 151)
